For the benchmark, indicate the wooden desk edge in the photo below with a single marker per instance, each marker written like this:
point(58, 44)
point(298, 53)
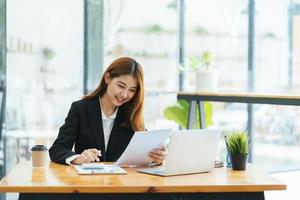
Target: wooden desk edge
point(44, 187)
point(142, 189)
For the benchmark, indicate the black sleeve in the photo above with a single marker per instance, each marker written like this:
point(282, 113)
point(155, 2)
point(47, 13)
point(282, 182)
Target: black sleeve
point(61, 149)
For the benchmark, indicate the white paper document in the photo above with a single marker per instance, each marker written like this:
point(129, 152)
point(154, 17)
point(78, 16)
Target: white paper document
point(99, 169)
point(142, 142)
point(93, 165)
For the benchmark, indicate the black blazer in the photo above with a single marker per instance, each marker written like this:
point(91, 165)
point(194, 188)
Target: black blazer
point(83, 127)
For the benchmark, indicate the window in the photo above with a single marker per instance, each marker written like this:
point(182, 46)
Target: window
point(44, 61)
point(221, 27)
point(146, 31)
point(44, 71)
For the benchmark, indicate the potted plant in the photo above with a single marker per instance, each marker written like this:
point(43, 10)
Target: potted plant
point(237, 143)
point(206, 75)
point(206, 82)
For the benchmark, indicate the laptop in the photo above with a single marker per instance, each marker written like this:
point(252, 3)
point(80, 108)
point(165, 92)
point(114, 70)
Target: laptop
point(189, 151)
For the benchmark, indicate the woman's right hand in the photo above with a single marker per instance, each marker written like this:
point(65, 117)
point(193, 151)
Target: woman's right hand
point(88, 155)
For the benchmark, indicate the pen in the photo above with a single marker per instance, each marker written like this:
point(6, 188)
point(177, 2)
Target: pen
point(125, 166)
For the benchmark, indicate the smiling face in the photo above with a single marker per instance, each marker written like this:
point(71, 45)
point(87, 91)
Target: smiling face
point(120, 89)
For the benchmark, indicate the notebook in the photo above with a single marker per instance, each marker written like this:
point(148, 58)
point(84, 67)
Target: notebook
point(98, 168)
point(189, 151)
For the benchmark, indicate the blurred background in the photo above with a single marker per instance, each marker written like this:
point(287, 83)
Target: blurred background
point(54, 51)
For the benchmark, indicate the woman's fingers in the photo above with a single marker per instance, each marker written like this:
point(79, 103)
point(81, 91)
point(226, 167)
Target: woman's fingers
point(83, 158)
point(96, 152)
point(88, 155)
point(79, 160)
point(158, 155)
point(91, 155)
point(156, 159)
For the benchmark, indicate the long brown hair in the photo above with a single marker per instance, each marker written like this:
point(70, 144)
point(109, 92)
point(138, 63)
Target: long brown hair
point(134, 108)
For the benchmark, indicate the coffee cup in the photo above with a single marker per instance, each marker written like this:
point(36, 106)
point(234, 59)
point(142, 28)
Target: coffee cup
point(39, 155)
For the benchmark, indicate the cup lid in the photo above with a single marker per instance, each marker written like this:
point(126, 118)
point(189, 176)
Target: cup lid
point(39, 147)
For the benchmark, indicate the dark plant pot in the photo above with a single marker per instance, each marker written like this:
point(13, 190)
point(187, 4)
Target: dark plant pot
point(239, 162)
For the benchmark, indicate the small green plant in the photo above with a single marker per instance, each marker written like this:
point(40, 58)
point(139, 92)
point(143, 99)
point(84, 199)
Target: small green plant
point(179, 113)
point(48, 53)
point(155, 28)
point(238, 143)
point(204, 63)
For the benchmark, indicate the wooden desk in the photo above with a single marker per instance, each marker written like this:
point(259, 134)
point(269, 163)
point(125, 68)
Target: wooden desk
point(222, 183)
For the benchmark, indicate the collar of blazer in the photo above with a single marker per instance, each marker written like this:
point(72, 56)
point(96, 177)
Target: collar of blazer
point(95, 118)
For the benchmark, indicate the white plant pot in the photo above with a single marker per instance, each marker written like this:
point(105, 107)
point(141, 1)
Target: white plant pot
point(206, 81)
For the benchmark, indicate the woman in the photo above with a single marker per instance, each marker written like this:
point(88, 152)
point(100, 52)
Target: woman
point(102, 123)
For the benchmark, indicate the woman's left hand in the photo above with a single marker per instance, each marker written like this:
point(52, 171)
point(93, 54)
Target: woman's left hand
point(159, 155)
